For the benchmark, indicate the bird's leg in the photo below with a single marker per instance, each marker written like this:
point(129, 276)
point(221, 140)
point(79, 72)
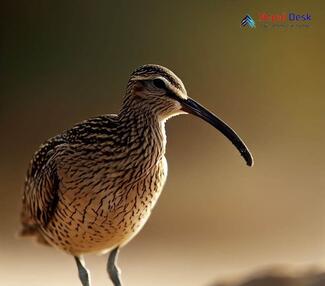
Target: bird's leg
point(112, 269)
point(83, 272)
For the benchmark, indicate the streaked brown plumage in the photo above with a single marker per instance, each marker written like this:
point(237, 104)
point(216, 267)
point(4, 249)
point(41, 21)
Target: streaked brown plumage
point(92, 188)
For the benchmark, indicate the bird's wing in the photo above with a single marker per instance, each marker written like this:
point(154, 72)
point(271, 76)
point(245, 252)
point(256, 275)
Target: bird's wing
point(40, 194)
point(41, 187)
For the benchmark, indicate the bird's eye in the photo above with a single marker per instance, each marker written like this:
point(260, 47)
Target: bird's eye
point(159, 83)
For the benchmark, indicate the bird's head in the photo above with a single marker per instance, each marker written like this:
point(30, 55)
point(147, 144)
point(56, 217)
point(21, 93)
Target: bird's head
point(156, 88)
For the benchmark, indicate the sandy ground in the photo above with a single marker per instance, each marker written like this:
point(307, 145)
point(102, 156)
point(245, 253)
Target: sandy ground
point(156, 262)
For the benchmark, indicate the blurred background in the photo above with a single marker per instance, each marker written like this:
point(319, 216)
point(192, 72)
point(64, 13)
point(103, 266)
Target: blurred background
point(217, 220)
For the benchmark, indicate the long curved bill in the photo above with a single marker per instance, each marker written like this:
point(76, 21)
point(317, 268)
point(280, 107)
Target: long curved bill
point(191, 106)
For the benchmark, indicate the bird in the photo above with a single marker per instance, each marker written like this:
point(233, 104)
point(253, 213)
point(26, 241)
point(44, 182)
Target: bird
point(92, 188)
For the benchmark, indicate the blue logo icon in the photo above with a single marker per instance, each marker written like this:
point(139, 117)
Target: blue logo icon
point(248, 21)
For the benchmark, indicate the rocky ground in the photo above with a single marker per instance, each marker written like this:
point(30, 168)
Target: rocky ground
point(281, 278)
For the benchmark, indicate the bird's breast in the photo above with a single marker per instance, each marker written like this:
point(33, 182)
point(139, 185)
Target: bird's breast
point(107, 211)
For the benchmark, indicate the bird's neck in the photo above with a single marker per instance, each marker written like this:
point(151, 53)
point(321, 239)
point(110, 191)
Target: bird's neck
point(144, 130)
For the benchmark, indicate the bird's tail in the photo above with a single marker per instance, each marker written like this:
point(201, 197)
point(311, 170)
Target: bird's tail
point(31, 231)
point(27, 230)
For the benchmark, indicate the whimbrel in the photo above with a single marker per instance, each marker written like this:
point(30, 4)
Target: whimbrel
point(92, 188)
